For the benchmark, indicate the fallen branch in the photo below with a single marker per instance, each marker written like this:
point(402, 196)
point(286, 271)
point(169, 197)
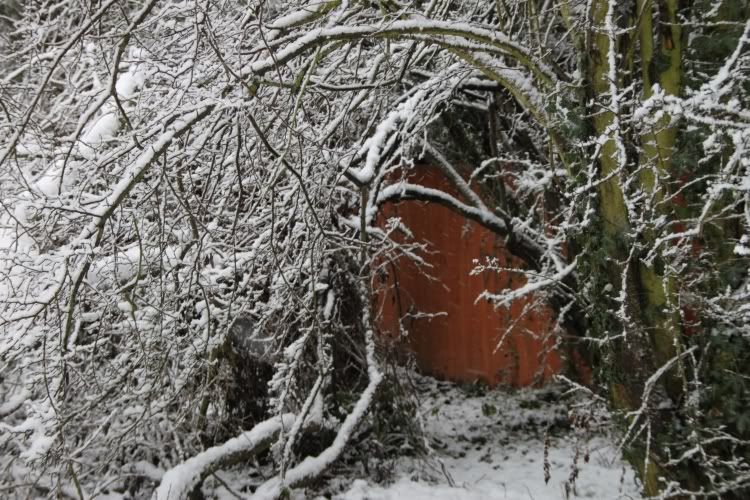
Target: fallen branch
point(312, 467)
point(179, 481)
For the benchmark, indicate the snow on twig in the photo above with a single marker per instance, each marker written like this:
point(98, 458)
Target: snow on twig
point(180, 480)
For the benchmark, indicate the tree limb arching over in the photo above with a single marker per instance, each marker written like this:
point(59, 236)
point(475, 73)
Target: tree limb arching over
point(181, 182)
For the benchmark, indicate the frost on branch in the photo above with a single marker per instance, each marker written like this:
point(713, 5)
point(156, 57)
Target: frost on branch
point(190, 219)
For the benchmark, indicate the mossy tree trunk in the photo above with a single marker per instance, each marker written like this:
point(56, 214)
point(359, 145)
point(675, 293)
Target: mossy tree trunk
point(647, 330)
point(645, 337)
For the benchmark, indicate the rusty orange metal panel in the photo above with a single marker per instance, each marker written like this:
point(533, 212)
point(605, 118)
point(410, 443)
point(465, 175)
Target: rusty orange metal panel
point(467, 339)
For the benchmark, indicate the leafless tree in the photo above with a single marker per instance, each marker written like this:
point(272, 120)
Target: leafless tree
point(184, 180)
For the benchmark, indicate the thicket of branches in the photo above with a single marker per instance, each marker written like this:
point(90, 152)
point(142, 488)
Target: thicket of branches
point(190, 195)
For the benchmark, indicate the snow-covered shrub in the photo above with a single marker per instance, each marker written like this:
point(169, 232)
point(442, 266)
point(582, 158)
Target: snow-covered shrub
point(167, 168)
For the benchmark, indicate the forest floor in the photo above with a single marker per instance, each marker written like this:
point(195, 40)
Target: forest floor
point(496, 444)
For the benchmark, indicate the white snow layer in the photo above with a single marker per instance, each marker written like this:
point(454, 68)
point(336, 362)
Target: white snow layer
point(493, 448)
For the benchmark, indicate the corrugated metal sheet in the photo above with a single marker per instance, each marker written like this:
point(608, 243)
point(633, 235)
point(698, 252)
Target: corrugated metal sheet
point(469, 339)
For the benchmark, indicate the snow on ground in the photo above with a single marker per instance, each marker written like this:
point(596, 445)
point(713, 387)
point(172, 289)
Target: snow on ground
point(487, 445)
point(492, 446)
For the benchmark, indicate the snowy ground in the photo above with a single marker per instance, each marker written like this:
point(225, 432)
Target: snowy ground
point(492, 446)
point(488, 445)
